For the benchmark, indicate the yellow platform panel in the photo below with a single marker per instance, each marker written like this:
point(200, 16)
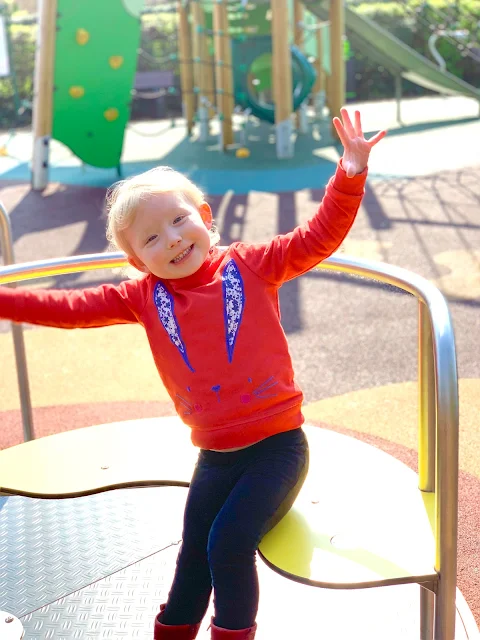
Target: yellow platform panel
point(359, 520)
point(84, 461)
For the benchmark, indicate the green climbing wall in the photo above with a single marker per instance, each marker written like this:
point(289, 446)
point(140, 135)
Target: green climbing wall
point(95, 64)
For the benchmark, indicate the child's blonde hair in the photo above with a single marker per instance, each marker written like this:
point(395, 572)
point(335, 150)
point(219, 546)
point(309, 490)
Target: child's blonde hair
point(124, 197)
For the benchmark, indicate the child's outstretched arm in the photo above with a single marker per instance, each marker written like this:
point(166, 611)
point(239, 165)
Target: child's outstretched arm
point(69, 309)
point(288, 256)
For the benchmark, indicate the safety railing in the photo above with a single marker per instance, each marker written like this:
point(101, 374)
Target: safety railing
point(6, 246)
point(437, 383)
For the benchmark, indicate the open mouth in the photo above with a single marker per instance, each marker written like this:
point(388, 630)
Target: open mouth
point(182, 255)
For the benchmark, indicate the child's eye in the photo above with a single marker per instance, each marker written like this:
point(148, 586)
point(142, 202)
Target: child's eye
point(150, 239)
point(178, 219)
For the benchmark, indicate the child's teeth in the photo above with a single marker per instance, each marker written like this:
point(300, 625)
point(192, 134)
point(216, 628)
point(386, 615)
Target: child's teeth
point(178, 258)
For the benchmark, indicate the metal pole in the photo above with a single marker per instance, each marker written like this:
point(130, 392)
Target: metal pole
point(446, 482)
point(427, 424)
point(427, 610)
point(398, 96)
point(426, 403)
point(43, 92)
point(446, 386)
point(17, 333)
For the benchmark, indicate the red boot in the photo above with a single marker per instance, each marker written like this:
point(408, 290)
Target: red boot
point(174, 631)
point(233, 634)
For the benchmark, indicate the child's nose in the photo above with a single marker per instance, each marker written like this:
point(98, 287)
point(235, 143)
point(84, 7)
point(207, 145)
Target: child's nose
point(173, 239)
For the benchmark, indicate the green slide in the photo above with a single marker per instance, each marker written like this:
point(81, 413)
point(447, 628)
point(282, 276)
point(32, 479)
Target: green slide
point(95, 63)
point(381, 47)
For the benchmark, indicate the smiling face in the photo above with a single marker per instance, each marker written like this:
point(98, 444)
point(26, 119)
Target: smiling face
point(169, 236)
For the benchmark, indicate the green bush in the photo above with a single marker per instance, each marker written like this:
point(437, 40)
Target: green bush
point(23, 63)
point(158, 44)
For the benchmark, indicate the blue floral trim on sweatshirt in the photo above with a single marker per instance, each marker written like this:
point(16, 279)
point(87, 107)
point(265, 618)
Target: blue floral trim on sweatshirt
point(165, 307)
point(234, 304)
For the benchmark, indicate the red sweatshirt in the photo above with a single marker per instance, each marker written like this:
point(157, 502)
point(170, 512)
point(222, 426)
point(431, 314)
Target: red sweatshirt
point(215, 336)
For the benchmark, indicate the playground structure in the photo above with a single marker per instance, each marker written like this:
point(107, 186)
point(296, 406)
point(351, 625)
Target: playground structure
point(103, 115)
point(223, 68)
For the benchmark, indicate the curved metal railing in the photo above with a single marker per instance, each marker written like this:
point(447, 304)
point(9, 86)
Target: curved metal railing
point(6, 246)
point(438, 395)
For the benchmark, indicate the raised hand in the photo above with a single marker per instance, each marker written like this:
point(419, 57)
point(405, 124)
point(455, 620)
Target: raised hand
point(356, 148)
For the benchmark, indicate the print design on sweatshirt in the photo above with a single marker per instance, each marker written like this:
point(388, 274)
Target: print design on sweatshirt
point(262, 390)
point(185, 404)
point(165, 307)
point(234, 303)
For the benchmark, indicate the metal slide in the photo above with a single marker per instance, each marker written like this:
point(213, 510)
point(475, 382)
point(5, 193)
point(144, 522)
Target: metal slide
point(387, 50)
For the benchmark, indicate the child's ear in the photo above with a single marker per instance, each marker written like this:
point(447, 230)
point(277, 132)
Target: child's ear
point(135, 262)
point(206, 213)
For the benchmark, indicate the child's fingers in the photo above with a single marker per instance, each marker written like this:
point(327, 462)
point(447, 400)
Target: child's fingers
point(358, 124)
point(341, 131)
point(376, 138)
point(347, 123)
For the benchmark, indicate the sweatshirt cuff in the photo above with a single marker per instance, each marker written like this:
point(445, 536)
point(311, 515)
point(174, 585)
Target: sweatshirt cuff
point(352, 186)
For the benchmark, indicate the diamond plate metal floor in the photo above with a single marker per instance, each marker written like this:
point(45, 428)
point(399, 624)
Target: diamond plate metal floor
point(124, 605)
point(50, 548)
point(97, 568)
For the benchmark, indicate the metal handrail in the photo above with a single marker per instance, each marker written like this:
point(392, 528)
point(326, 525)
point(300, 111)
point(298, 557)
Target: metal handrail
point(6, 246)
point(438, 395)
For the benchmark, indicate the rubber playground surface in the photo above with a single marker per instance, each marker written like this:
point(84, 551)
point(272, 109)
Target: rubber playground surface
point(354, 342)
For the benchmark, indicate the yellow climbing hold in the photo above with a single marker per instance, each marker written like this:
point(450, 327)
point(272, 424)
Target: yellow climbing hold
point(243, 152)
point(82, 36)
point(76, 92)
point(3, 152)
point(115, 61)
point(111, 114)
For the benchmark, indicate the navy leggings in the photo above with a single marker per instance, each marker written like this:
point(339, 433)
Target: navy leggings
point(233, 500)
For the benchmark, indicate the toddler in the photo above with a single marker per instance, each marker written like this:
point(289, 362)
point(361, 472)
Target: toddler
point(212, 319)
